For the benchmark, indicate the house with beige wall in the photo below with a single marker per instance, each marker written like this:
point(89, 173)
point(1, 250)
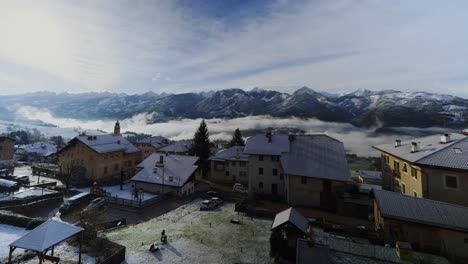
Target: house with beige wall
point(304, 170)
point(229, 166)
point(433, 167)
point(102, 158)
point(151, 145)
point(430, 226)
point(167, 174)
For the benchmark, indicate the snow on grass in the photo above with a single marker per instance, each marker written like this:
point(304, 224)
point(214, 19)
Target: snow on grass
point(125, 193)
point(198, 237)
point(67, 254)
point(8, 234)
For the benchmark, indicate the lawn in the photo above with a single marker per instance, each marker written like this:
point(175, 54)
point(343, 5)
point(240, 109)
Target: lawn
point(198, 237)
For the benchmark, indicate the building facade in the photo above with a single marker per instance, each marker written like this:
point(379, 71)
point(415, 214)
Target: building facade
point(303, 170)
point(229, 166)
point(433, 167)
point(103, 158)
point(7, 149)
point(151, 145)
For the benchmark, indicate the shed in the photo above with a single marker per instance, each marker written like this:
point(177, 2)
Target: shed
point(45, 237)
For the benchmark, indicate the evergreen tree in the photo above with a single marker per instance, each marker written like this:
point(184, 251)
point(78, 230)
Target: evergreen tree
point(237, 139)
point(201, 143)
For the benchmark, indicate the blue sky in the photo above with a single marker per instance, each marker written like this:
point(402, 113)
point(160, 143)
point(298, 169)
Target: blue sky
point(194, 45)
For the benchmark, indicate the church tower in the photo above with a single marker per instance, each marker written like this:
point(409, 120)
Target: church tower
point(117, 128)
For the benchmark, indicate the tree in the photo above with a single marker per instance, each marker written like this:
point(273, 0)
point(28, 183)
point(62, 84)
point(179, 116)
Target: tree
point(237, 139)
point(201, 143)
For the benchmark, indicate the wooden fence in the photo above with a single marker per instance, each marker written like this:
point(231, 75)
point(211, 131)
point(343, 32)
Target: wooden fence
point(133, 203)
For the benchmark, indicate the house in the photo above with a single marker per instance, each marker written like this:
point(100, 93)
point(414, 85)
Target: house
point(293, 223)
point(38, 152)
point(151, 145)
point(430, 226)
point(305, 170)
point(167, 174)
point(7, 149)
point(103, 158)
point(433, 167)
point(180, 147)
point(229, 166)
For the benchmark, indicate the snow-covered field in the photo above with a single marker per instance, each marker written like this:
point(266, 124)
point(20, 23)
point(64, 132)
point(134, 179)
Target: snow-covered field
point(9, 234)
point(198, 237)
point(27, 171)
point(125, 193)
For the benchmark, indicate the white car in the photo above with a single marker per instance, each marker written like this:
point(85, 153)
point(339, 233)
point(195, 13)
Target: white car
point(239, 188)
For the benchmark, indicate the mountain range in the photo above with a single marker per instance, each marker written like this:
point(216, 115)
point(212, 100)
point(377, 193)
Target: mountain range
point(363, 108)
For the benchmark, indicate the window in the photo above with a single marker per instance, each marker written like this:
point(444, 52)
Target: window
point(227, 173)
point(260, 157)
point(233, 163)
point(465, 240)
point(116, 167)
point(275, 172)
point(105, 170)
point(451, 182)
point(405, 168)
point(260, 171)
point(414, 172)
point(396, 166)
point(403, 188)
point(274, 158)
point(260, 185)
point(281, 176)
point(415, 193)
point(304, 180)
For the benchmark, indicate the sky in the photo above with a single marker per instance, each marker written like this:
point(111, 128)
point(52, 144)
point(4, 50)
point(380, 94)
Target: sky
point(192, 45)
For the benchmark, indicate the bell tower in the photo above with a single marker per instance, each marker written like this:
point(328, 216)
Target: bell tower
point(117, 128)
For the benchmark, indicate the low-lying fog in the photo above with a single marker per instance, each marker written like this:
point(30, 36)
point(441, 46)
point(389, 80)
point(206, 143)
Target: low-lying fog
point(356, 140)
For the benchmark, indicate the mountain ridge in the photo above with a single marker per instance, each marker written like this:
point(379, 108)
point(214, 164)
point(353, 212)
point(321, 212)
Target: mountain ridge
point(362, 107)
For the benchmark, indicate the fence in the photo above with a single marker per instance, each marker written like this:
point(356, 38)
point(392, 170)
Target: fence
point(133, 203)
point(27, 200)
point(111, 252)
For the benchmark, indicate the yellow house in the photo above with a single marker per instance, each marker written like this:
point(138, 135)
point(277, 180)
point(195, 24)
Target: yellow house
point(434, 167)
point(102, 158)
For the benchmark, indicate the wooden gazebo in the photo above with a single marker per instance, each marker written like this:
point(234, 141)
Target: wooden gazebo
point(45, 237)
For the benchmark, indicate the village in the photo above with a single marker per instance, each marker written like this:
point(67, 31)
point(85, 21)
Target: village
point(266, 198)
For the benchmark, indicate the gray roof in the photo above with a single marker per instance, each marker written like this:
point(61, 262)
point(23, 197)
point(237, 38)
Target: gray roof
point(108, 143)
point(317, 156)
point(46, 235)
point(232, 153)
point(179, 168)
point(426, 146)
point(259, 145)
point(423, 211)
point(453, 156)
point(40, 148)
point(181, 146)
point(292, 216)
point(156, 141)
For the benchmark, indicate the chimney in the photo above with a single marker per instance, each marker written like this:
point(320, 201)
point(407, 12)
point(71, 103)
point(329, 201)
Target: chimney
point(291, 137)
point(269, 136)
point(397, 143)
point(161, 159)
point(414, 147)
point(117, 128)
point(90, 138)
point(171, 178)
point(160, 163)
point(445, 138)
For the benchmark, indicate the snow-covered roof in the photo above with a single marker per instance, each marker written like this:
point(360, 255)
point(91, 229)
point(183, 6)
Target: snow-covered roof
point(260, 145)
point(156, 141)
point(181, 146)
point(108, 143)
point(292, 216)
point(232, 153)
point(7, 183)
point(426, 146)
point(316, 156)
point(455, 156)
point(40, 148)
point(46, 235)
point(177, 169)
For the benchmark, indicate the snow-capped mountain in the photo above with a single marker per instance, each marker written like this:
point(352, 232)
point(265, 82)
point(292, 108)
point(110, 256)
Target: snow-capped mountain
point(362, 107)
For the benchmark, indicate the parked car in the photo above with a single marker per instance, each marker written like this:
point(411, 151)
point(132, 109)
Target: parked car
point(216, 201)
point(239, 188)
point(207, 205)
point(73, 202)
point(211, 194)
